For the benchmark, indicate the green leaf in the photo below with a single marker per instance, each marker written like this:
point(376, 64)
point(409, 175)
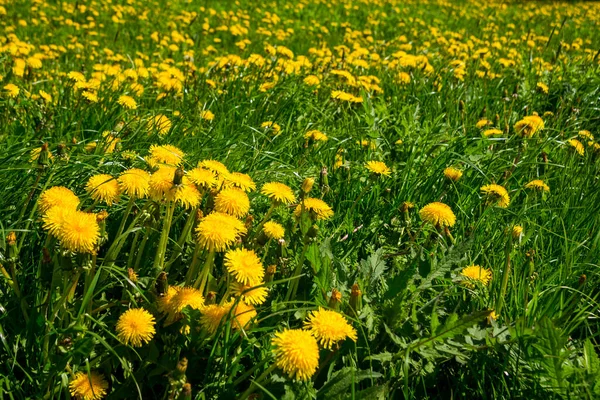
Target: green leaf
point(343, 380)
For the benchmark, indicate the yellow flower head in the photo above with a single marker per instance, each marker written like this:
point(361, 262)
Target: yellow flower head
point(127, 102)
point(212, 315)
point(492, 132)
point(482, 123)
point(232, 201)
point(135, 326)
point(165, 154)
point(103, 188)
point(475, 273)
point(278, 192)
point(55, 217)
point(273, 230)
point(240, 180)
point(529, 125)
point(207, 115)
point(329, 327)
point(271, 126)
point(135, 183)
point(203, 178)
point(215, 166)
point(296, 353)
point(57, 196)
point(250, 294)
point(88, 387)
point(452, 173)
point(316, 206)
point(378, 168)
point(245, 266)
point(185, 296)
point(576, 144)
point(438, 214)
point(517, 232)
point(218, 231)
point(242, 315)
point(160, 123)
point(79, 232)
point(538, 184)
point(496, 194)
point(586, 135)
point(316, 136)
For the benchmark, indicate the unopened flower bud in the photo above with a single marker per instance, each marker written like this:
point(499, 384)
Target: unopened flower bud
point(182, 366)
point(355, 299)
point(211, 298)
point(335, 299)
point(101, 216)
point(132, 275)
point(11, 239)
point(178, 176)
point(271, 269)
point(186, 392)
point(307, 185)
point(162, 284)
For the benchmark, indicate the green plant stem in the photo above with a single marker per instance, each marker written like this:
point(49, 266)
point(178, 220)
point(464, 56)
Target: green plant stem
point(293, 288)
point(189, 223)
point(262, 222)
point(257, 382)
point(200, 283)
point(125, 217)
point(505, 275)
point(159, 259)
point(140, 252)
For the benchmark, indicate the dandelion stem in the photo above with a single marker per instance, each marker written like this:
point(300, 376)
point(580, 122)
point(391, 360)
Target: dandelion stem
point(159, 259)
point(200, 283)
point(189, 223)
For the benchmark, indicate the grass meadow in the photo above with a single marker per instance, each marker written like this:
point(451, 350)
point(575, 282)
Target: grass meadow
point(299, 200)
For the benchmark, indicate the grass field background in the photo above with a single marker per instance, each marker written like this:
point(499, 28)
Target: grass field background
point(504, 93)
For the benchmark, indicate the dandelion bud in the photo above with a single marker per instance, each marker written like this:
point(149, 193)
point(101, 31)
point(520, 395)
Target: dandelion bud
point(211, 298)
point(101, 216)
point(44, 156)
point(186, 392)
point(323, 181)
point(132, 275)
point(11, 239)
point(335, 299)
point(181, 367)
point(178, 176)
point(199, 215)
point(249, 221)
point(61, 150)
point(307, 185)
point(74, 140)
point(582, 279)
point(162, 284)
point(355, 299)
point(271, 269)
point(461, 106)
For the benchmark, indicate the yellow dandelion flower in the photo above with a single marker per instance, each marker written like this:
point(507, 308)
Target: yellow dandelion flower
point(207, 115)
point(232, 201)
point(161, 183)
point(576, 144)
point(165, 154)
point(492, 132)
point(136, 327)
point(316, 136)
point(242, 315)
point(160, 123)
point(57, 196)
point(528, 126)
point(517, 232)
point(80, 232)
point(135, 183)
point(88, 387)
point(316, 206)
point(496, 194)
point(378, 168)
point(127, 102)
point(12, 90)
point(250, 294)
point(475, 273)
point(240, 180)
point(278, 193)
point(452, 173)
point(55, 217)
point(215, 166)
point(586, 135)
point(271, 126)
point(542, 88)
point(482, 123)
point(218, 231)
point(273, 230)
point(185, 297)
point(329, 327)
point(296, 353)
point(212, 315)
point(312, 80)
point(35, 154)
point(438, 214)
point(245, 266)
point(203, 178)
point(164, 302)
point(538, 184)
point(104, 188)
